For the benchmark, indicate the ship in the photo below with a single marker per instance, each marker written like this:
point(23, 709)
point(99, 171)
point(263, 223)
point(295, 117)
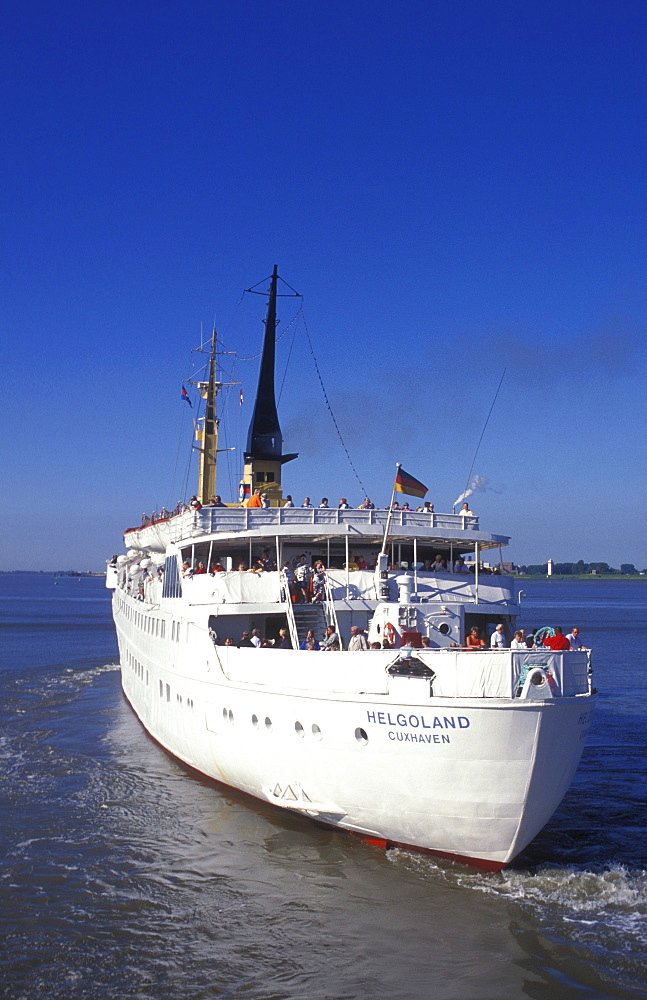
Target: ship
point(317, 658)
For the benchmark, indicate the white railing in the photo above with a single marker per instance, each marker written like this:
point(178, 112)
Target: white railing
point(329, 606)
point(289, 610)
point(235, 519)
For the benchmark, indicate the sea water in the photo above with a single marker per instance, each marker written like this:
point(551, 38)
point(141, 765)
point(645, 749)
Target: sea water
point(124, 875)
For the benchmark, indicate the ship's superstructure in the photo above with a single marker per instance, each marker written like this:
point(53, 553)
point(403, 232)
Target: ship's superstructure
point(416, 740)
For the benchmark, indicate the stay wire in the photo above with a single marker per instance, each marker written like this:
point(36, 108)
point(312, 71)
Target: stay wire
point(330, 410)
point(469, 477)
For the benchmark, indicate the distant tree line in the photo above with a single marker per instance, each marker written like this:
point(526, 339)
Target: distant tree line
point(580, 569)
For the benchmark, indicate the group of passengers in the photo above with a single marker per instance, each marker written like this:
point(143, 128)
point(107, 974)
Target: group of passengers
point(551, 638)
point(259, 498)
point(307, 581)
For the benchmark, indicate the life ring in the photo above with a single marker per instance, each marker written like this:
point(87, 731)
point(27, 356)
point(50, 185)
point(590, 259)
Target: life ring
point(389, 633)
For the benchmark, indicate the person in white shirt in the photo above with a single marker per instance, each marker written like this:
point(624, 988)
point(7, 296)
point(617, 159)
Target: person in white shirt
point(519, 642)
point(573, 638)
point(288, 501)
point(497, 639)
point(256, 639)
point(358, 639)
point(306, 502)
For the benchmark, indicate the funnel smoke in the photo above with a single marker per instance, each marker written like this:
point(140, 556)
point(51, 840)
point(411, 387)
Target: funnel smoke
point(475, 483)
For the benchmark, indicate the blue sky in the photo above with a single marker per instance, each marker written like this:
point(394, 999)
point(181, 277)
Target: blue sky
point(455, 188)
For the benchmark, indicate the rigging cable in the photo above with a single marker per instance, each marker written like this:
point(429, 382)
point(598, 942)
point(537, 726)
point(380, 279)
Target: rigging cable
point(332, 415)
point(469, 478)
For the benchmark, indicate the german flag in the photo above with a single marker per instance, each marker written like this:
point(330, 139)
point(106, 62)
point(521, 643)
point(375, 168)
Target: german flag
point(404, 483)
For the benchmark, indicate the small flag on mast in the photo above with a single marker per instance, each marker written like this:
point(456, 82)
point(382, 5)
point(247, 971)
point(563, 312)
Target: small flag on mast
point(241, 397)
point(184, 394)
point(404, 483)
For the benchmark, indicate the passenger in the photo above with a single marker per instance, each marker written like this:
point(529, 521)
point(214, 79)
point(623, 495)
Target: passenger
point(465, 511)
point(255, 638)
point(246, 641)
point(557, 642)
point(306, 502)
point(284, 641)
point(574, 639)
point(428, 508)
point(361, 562)
point(375, 645)
point(497, 639)
point(195, 504)
point(395, 505)
point(217, 501)
point(200, 570)
point(267, 562)
point(366, 504)
point(288, 501)
point(474, 640)
point(319, 584)
point(187, 572)
point(387, 645)
point(519, 641)
point(330, 639)
point(229, 641)
point(357, 640)
point(352, 564)
point(310, 641)
point(406, 506)
point(265, 501)
point(439, 564)
point(530, 640)
point(256, 567)
point(459, 566)
point(426, 642)
point(303, 574)
point(324, 504)
point(216, 567)
point(343, 504)
point(242, 567)
point(255, 499)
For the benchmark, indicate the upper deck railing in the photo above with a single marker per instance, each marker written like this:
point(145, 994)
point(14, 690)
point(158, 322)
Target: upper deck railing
point(239, 519)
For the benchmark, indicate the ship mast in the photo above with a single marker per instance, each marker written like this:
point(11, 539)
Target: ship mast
point(264, 453)
point(206, 430)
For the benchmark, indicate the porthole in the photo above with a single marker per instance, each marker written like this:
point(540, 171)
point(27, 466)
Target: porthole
point(268, 723)
point(361, 736)
point(444, 628)
point(255, 721)
point(298, 728)
point(316, 732)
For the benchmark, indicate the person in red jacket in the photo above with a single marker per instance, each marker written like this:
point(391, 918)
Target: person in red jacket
point(557, 641)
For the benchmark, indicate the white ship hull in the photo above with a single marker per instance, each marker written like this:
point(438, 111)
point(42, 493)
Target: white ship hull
point(473, 778)
point(427, 739)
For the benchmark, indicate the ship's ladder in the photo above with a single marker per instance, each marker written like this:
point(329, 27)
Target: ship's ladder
point(310, 616)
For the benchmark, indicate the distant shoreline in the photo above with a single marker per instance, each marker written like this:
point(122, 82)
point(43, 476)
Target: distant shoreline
point(583, 577)
point(73, 574)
